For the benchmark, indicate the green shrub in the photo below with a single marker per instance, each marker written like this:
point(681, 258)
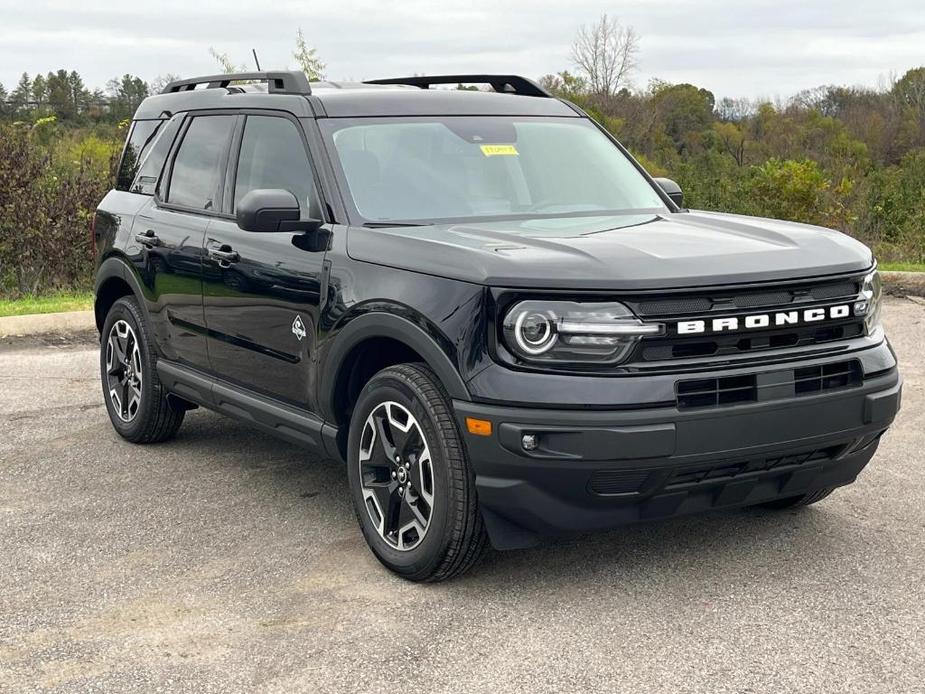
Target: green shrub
point(50, 182)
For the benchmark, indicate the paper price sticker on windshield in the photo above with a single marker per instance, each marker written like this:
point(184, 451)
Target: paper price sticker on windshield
point(499, 150)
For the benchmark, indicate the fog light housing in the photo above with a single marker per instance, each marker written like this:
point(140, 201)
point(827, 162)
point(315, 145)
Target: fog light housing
point(530, 442)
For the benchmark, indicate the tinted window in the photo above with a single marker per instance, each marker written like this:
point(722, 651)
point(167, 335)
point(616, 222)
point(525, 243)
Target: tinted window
point(153, 161)
point(197, 169)
point(273, 156)
point(139, 140)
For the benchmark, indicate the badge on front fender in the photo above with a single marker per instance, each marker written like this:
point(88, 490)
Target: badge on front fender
point(298, 327)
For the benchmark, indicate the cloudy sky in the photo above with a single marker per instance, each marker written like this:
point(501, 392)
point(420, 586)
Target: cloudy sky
point(749, 48)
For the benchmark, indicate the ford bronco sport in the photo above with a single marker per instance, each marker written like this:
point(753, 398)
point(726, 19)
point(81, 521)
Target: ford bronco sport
point(483, 305)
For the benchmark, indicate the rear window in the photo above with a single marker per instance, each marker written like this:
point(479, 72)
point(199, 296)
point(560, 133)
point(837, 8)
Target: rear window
point(140, 138)
point(198, 167)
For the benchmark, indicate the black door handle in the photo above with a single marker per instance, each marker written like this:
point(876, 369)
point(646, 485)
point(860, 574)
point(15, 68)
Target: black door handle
point(225, 254)
point(148, 239)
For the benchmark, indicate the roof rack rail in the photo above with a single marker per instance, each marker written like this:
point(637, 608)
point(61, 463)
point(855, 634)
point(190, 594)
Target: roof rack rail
point(289, 82)
point(510, 84)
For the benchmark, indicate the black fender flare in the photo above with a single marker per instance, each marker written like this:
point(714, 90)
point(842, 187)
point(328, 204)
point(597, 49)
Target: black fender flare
point(375, 324)
point(116, 267)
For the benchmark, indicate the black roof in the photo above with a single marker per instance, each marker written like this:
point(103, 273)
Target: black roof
point(405, 101)
point(392, 97)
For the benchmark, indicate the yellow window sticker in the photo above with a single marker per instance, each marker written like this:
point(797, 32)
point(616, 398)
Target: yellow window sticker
point(499, 150)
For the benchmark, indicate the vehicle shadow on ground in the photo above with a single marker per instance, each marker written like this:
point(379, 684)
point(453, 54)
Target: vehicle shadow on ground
point(703, 548)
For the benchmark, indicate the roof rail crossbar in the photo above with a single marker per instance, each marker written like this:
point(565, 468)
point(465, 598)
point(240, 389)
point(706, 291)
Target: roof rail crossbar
point(511, 84)
point(289, 82)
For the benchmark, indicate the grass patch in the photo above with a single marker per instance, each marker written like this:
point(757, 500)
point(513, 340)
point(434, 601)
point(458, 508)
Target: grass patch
point(51, 303)
point(903, 267)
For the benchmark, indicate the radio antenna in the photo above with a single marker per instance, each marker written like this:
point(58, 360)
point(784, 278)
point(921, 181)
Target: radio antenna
point(256, 60)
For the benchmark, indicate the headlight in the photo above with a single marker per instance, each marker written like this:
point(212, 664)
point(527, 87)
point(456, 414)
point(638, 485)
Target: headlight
point(569, 332)
point(869, 303)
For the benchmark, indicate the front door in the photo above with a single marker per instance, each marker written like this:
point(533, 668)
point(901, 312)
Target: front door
point(261, 290)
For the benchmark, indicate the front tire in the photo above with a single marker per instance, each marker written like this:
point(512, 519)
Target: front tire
point(137, 403)
point(412, 486)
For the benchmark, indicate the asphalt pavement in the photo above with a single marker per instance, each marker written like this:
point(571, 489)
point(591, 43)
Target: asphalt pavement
point(228, 561)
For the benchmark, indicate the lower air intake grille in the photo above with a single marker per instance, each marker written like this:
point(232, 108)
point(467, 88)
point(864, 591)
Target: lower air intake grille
point(618, 481)
point(727, 470)
point(732, 390)
point(713, 392)
point(815, 379)
point(661, 480)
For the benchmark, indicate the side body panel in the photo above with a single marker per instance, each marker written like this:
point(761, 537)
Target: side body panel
point(115, 217)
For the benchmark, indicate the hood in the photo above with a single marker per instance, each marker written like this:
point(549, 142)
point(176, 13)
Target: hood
point(631, 252)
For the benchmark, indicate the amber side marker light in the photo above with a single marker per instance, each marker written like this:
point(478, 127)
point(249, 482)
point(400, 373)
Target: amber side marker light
point(478, 427)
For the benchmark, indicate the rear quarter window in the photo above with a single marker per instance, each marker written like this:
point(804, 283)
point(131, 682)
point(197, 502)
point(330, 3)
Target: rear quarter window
point(140, 138)
point(153, 159)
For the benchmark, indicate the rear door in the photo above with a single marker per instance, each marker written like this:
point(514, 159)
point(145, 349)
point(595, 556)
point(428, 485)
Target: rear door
point(169, 232)
point(261, 290)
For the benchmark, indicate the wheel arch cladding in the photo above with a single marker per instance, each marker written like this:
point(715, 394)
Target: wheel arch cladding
point(113, 281)
point(370, 343)
point(109, 289)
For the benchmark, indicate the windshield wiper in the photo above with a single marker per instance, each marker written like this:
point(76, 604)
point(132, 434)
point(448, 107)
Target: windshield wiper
point(388, 225)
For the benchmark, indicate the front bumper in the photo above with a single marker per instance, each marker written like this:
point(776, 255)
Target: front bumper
point(597, 469)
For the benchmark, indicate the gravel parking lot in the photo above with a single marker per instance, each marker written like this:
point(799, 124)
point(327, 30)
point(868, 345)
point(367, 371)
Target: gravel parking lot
point(228, 561)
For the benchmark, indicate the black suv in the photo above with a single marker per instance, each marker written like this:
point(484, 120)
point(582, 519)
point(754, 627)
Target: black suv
point(481, 303)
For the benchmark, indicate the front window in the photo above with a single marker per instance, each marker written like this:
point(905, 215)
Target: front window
point(273, 156)
point(462, 168)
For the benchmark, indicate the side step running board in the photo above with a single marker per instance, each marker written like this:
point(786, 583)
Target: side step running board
point(266, 414)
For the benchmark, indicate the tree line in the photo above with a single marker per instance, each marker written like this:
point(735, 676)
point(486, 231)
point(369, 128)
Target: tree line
point(846, 157)
point(63, 95)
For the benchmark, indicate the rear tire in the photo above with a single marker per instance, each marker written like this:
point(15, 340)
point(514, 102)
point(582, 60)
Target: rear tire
point(798, 501)
point(137, 403)
point(412, 486)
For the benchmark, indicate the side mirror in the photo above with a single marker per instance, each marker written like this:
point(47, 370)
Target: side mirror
point(268, 210)
point(672, 189)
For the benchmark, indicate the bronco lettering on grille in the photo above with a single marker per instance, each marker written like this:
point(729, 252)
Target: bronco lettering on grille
point(763, 320)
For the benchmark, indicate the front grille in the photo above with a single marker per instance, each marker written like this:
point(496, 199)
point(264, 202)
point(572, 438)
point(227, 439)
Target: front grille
point(768, 386)
point(838, 290)
point(725, 344)
point(674, 307)
point(721, 303)
point(732, 299)
point(759, 300)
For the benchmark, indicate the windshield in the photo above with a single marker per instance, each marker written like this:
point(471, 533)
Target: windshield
point(463, 168)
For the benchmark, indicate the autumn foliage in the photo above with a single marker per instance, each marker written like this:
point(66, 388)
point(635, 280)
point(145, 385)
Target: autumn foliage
point(848, 158)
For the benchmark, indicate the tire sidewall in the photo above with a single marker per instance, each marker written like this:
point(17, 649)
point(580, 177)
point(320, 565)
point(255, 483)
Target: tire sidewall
point(127, 309)
point(427, 555)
